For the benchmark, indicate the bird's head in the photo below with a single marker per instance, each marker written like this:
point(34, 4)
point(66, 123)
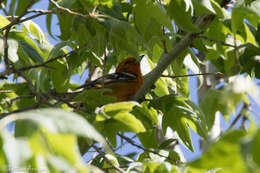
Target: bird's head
point(130, 65)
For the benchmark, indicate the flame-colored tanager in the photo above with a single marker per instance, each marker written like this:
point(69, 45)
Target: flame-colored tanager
point(124, 83)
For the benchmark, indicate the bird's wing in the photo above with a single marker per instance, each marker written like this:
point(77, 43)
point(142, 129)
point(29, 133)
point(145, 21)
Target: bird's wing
point(110, 78)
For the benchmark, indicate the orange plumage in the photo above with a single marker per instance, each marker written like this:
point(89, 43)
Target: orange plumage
point(124, 83)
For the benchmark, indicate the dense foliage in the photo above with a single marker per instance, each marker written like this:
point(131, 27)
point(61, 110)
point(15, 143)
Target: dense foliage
point(46, 125)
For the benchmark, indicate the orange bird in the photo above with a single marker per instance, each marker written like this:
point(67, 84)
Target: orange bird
point(124, 83)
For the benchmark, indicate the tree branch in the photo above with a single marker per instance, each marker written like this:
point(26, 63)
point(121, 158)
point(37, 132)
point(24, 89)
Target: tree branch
point(168, 58)
point(218, 74)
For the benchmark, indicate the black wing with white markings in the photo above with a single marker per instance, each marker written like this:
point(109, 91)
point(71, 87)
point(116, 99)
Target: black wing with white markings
point(110, 78)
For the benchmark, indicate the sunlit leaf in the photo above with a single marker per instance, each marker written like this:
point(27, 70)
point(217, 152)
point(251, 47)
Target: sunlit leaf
point(224, 154)
point(60, 121)
point(181, 13)
point(12, 49)
point(31, 52)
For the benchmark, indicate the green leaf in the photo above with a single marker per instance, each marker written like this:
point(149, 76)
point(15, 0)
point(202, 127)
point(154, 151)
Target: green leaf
point(224, 154)
point(192, 63)
point(12, 49)
point(35, 31)
point(77, 60)
point(60, 76)
point(123, 36)
point(120, 112)
point(226, 100)
point(31, 52)
point(17, 151)
point(65, 21)
point(3, 159)
point(93, 31)
point(166, 144)
point(94, 98)
point(219, 11)
point(243, 11)
point(51, 145)
point(43, 81)
point(179, 68)
point(201, 128)
point(161, 87)
point(255, 148)
point(148, 23)
point(154, 167)
point(211, 104)
point(178, 115)
point(257, 35)
point(25, 128)
point(57, 49)
point(174, 119)
point(203, 6)
point(115, 108)
point(3, 22)
point(148, 138)
point(146, 113)
point(21, 36)
point(56, 143)
point(248, 35)
point(249, 60)
point(22, 5)
point(116, 117)
point(218, 30)
point(60, 121)
point(182, 15)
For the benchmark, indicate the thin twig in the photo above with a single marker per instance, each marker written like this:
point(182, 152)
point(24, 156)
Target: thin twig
point(108, 161)
point(67, 10)
point(36, 105)
point(5, 40)
point(40, 11)
point(92, 14)
point(42, 97)
point(146, 149)
point(3, 8)
point(29, 82)
point(240, 114)
point(234, 121)
point(124, 143)
point(243, 122)
point(52, 59)
point(235, 50)
point(219, 74)
point(254, 112)
point(20, 97)
point(21, 20)
point(216, 41)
